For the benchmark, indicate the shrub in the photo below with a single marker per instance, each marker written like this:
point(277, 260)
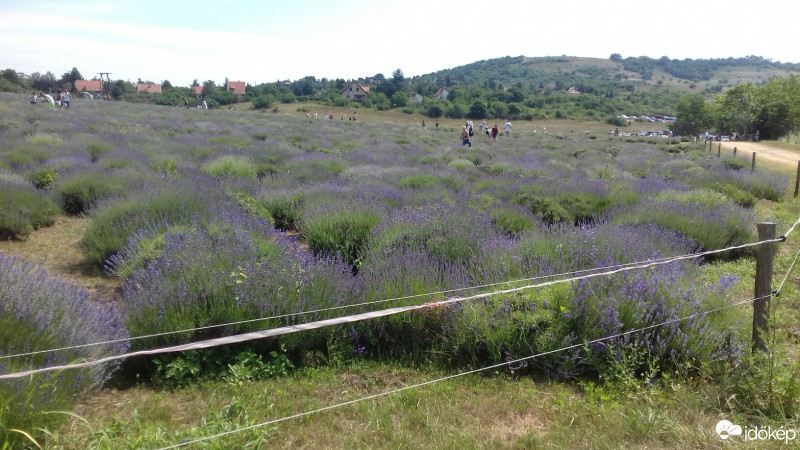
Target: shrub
point(95, 149)
point(709, 219)
point(23, 208)
point(548, 209)
point(285, 208)
point(231, 165)
point(39, 313)
point(114, 221)
point(738, 196)
point(338, 230)
point(79, 191)
point(512, 221)
point(44, 178)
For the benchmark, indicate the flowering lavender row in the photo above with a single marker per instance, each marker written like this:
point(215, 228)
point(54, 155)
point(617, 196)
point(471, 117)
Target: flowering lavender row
point(40, 313)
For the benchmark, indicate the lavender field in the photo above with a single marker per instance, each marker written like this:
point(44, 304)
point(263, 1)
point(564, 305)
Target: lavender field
point(214, 217)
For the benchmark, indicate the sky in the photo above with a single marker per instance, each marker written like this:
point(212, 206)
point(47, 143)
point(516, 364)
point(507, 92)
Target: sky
point(265, 41)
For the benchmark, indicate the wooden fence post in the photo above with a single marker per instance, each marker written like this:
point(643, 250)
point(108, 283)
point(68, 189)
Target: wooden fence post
point(753, 165)
point(719, 149)
point(763, 288)
point(797, 180)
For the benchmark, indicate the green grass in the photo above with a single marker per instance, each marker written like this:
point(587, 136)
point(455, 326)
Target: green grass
point(474, 411)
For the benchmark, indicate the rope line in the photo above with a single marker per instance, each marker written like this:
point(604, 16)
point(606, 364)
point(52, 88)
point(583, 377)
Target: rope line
point(244, 337)
point(394, 299)
point(449, 377)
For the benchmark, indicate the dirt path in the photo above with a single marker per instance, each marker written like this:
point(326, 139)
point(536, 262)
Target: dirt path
point(55, 248)
point(763, 151)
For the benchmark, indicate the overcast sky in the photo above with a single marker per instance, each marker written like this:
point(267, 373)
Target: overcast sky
point(264, 41)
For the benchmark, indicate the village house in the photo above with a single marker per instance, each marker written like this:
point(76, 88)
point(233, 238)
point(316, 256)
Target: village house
point(441, 94)
point(353, 91)
point(89, 85)
point(150, 88)
point(197, 91)
point(236, 87)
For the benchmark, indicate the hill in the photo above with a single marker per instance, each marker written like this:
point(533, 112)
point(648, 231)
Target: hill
point(595, 74)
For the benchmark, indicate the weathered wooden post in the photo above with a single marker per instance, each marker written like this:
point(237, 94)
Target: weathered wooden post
point(763, 288)
point(797, 180)
point(753, 165)
point(719, 149)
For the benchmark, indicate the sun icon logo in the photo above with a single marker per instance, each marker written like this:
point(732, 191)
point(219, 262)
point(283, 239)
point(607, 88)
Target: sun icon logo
point(725, 429)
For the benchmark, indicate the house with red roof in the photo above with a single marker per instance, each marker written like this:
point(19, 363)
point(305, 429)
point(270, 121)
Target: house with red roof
point(354, 91)
point(237, 87)
point(150, 88)
point(197, 91)
point(89, 85)
point(441, 94)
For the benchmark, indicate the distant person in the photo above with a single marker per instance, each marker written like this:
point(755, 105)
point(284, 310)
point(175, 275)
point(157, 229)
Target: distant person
point(469, 129)
point(51, 104)
point(507, 128)
point(185, 102)
point(465, 137)
point(437, 124)
point(33, 98)
point(757, 134)
point(66, 99)
point(482, 127)
point(58, 98)
point(204, 105)
point(423, 123)
point(495, 132)
point(315, 115)
point(355, 116)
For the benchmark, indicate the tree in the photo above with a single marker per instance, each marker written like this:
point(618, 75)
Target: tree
point(166, 85)
point(209, 87)
point(477, 110)
point(70, 78)
point(399, 99)
point(693, 115)
point(616, 57)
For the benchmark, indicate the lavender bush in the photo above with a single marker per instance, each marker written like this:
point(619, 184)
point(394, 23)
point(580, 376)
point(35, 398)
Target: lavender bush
point(39, 313)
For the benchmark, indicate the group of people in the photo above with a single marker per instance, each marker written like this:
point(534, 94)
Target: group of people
point(467, 131)
point(62, 99)
point(202, 105)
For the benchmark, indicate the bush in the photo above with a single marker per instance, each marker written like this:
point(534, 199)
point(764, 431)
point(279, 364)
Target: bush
point(23, 208)
point(40, 313)
point(78, 192)
point(285, 208)
point(548, 209)
point(44, 178)
point(511, 221)
point(263, 101)
point(231, 165)
point(340, 230)
point(114, 221)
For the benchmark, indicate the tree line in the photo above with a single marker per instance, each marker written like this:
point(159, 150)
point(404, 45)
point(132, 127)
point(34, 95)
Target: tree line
point(771, 110)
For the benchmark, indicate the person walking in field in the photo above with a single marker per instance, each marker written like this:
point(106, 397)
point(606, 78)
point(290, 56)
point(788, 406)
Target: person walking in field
point(51, 104)
point(507, 128)
point(495, 132)
point(465, 137)
point(66, 99)
point(33, 98)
